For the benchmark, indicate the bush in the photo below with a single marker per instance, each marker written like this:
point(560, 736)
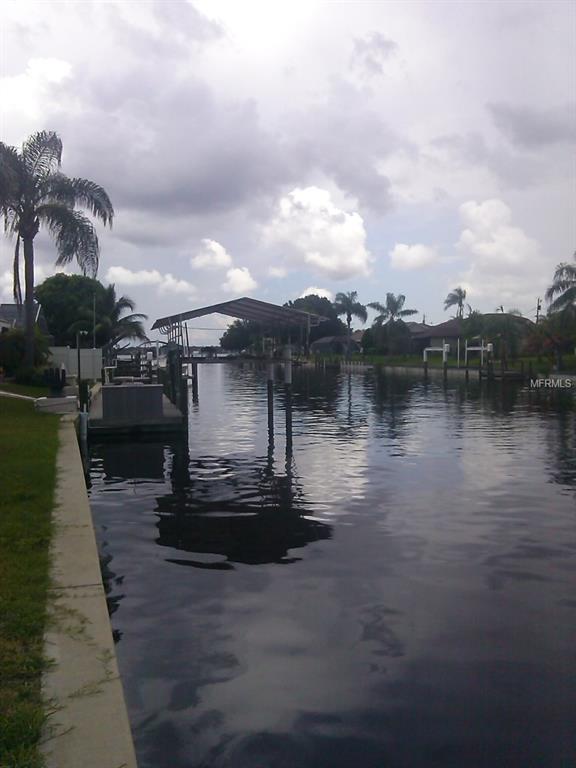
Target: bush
point(13, 350)
point(33, 376)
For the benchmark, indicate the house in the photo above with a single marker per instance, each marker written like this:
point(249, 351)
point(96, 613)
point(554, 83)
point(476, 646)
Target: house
point(334, 345)
point(13, 316)
point(496, 325)
point(423, 336)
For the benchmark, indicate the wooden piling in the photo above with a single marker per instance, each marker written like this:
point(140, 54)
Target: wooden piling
point(270, 398)
point(195, 382)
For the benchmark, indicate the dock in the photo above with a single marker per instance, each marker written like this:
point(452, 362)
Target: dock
point(130, 412)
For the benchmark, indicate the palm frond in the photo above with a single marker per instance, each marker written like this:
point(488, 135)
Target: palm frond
point(566, 299)
point(42, 153)
point(75, 236)
point(71, 192)
point(11, 173)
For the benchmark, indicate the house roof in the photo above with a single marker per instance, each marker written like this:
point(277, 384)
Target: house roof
point(331, 339)
point(14, 315)
point(451, 327)
point(245, 309)
point(414, 327)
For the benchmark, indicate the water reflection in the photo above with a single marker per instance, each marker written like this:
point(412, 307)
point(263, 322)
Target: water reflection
point(239, 509)
point(427, 615)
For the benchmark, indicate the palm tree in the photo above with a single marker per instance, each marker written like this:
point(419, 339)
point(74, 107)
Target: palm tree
point(111, 327)
point(34, 193)
point(348, 304)
point(456, 299)
point(392, 310)
point(562, 292)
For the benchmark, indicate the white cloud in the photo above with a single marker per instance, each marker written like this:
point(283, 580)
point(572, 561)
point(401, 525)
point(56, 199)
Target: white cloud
point(41, 273)
point(322, 292)
point(125, 276)
point(490, 237)
point(504, 263)
point(171, 284)
point(212, 255)
point(408, 257)
point(27, 92)
point(277, 272)
point(239, 280)
point(6, 286)
point(166, 283)
point(319, 235)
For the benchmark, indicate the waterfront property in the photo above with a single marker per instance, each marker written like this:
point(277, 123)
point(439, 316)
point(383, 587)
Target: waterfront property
point(392, 579)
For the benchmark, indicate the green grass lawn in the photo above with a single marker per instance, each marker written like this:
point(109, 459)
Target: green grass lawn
point(24, 389)
point(27, 476)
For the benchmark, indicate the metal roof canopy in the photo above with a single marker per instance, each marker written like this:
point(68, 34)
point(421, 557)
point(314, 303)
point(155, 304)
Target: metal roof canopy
point(245, 309)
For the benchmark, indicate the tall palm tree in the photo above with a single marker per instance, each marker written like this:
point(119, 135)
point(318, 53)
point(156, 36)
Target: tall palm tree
point(347, 304)
point(392, 310)
point(562, 292)
point(456, 299)
point(33, 192)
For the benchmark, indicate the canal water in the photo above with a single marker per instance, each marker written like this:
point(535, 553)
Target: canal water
point(392, 588)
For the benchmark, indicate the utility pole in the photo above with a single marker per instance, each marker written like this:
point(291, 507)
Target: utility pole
point(94, 321)
point(538, 308)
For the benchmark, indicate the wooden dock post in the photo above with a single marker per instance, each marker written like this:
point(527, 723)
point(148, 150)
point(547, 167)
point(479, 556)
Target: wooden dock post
point(425, 370)
point(270, 393)
point(195, 382)
point(288, 393)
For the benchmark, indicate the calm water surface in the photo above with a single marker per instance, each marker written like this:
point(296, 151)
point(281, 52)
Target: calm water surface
point(394, 590)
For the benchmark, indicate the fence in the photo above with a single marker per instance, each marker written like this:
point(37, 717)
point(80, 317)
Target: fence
point(90, 361)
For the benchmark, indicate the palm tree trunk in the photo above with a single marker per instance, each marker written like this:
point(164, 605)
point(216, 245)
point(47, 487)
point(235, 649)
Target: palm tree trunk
point(348, 350)
point(29, 300)
point(17, 286)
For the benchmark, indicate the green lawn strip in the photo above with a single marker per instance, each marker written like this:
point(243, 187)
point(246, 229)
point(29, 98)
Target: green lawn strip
point(27, 477)
point(25, 389)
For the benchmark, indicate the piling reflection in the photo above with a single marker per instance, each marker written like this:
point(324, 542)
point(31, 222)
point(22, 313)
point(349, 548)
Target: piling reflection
point(246, 511)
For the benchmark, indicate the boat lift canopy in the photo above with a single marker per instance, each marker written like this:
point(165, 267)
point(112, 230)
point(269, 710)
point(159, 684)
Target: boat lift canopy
point(243, 309)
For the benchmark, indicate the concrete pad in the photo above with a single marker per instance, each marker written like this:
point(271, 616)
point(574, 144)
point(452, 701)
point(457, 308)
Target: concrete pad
point(90, 726)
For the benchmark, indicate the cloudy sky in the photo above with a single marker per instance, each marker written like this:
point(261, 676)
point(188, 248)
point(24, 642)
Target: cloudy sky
point(270, 148)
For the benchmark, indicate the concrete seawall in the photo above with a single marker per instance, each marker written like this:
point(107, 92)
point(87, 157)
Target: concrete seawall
point(89, 727)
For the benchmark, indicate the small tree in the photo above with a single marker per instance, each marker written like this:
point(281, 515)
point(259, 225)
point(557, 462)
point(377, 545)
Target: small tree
point(456, 298)
point(347, 304)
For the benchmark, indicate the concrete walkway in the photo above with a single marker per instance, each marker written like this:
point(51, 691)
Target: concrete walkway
point(18, 397)
point(90, 726)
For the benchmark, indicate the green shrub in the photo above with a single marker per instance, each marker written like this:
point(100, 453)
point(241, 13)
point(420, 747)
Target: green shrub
point(13, 350)
point(32, 376)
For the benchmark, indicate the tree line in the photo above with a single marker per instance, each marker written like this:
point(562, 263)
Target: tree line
point(34, 193)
